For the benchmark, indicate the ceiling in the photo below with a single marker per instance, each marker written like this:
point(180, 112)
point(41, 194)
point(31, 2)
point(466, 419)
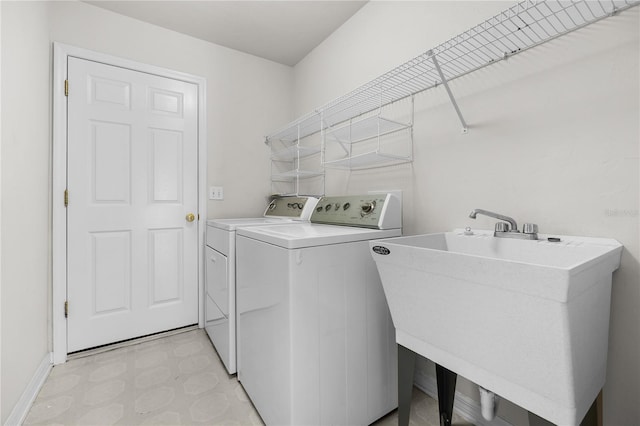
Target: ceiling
point(281, 31)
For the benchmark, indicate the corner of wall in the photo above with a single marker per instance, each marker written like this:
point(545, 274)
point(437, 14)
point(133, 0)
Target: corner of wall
point(22, 407)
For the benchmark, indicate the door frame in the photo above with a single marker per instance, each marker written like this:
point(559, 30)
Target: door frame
point(59, 179)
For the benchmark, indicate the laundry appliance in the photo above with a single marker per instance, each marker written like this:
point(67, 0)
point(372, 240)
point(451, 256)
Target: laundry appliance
point(316, 343)
point(220, 253)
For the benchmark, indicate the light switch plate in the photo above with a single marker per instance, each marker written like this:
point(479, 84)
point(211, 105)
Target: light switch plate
point(216, 193)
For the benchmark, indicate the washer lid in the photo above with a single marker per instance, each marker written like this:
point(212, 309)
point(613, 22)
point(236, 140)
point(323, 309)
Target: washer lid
point(232, 224)
point(300, 235)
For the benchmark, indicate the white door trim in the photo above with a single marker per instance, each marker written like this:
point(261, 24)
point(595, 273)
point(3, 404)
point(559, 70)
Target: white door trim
point(59, 181)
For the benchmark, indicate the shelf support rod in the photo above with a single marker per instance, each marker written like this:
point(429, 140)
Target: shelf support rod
point(465, 129)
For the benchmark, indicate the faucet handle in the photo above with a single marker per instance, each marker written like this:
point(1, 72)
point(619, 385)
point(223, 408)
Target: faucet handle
point(529, 228)
point(502, 227)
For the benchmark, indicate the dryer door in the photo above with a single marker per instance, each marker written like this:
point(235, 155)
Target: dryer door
point(217, 325)
point(217, 284)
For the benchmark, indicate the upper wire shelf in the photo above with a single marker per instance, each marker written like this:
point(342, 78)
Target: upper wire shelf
point(294, 152)
point(525, 25)
point(365, 129)
point(296, 174)
point(367, 160)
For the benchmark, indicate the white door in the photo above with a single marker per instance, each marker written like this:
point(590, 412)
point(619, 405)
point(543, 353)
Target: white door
point(132, 182)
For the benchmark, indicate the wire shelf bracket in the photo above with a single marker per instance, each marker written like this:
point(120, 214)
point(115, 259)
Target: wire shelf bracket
point(443, 79)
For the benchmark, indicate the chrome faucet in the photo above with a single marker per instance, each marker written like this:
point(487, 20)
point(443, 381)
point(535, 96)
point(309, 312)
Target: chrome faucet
point(512, 222)
point(509, 229)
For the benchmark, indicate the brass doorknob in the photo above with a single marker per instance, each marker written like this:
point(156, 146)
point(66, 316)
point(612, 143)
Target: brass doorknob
point(190, 217)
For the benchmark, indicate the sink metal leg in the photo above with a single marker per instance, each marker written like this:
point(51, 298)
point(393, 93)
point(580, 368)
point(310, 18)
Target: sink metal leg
point(446, 393)
point(535, 420)
point(406, 366)
point(592, 418)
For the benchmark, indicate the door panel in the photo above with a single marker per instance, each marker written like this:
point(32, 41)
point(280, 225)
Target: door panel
point(111, 162)
point(109, 93)
point(166, 102)
point(111, 271)
point(165, 265)
point(166, 166)
point(132, 179)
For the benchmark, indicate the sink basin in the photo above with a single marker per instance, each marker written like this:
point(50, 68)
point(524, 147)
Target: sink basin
point(528, 320)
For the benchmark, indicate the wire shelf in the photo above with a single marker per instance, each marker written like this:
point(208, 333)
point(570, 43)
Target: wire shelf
point(523, 26)
point(294, 152)
point(295, 174)
point(367, 160)
point(362, 130)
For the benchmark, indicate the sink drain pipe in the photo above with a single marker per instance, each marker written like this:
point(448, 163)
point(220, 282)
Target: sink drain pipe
point(488, 403)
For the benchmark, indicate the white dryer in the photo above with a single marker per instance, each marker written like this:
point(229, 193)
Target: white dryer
point(316, 344)
point(220, 254)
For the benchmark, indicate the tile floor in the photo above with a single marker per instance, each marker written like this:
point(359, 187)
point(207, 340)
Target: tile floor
point(175, 380)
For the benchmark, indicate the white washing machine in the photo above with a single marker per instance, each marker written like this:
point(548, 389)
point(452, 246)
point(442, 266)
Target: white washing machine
point(316, 344)
point(220, 253)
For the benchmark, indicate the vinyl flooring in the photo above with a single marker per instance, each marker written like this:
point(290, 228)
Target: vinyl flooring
point(174, 380)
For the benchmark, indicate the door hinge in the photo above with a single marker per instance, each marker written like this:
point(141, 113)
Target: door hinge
point(66, 87)
point(66, 309)
point(66, 197)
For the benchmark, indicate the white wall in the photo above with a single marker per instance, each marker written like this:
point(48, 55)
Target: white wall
point(25, 197)
point(247, 98)
point(553, 139)
point(1, 212)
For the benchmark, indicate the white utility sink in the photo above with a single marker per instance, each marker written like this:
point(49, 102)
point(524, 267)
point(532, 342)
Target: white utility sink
point(528, 320)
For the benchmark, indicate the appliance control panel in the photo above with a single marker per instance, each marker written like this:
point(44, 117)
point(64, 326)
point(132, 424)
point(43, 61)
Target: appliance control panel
point(379, 211)
point(291, 207)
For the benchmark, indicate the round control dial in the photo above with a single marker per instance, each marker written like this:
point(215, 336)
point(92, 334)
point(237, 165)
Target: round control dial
point(367, 208)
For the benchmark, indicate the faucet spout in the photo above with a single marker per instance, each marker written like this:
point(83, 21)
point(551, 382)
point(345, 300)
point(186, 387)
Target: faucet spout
point(510, 220)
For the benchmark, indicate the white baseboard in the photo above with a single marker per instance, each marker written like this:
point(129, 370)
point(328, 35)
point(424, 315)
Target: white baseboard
point(462, 404)
point(22, 407)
